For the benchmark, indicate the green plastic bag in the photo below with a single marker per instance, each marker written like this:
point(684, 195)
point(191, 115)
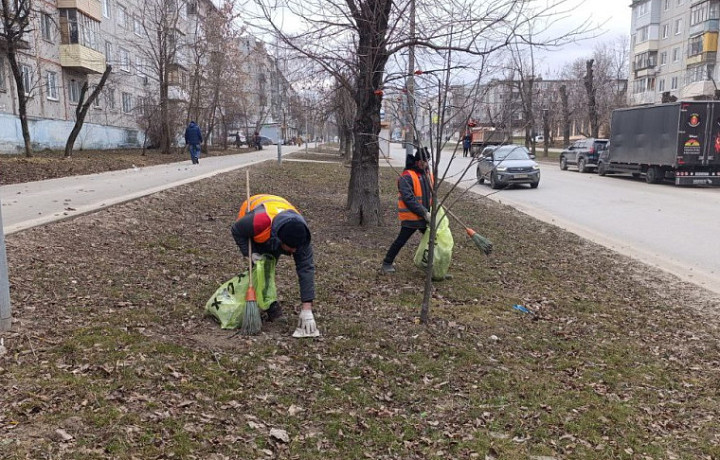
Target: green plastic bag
point(227, 305)
point(443, 247)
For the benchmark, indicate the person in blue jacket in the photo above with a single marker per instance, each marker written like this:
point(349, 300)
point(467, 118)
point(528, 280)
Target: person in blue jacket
point(193, 139)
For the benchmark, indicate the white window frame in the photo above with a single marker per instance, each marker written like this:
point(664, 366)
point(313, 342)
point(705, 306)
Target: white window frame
point(661, 85)
point(46, 27)
point(137, 26)
point(51, 86)
point(124, 60)
point(665, 31)
point(676, 54)
point(74, 88)
point(26, 72)
point(106, 8)
point(110, 98)
point(122, 16)
point(678, 26)
point(126, 102)
point(673, 83)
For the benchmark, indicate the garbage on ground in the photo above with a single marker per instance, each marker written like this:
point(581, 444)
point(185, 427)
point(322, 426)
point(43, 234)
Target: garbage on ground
point(523, 309)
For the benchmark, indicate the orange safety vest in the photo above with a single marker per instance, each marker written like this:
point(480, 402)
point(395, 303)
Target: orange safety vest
point(274, 205)
point(403, 212)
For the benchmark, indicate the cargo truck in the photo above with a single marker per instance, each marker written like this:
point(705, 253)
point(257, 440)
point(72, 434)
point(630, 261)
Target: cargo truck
point(482, 136)
point(679, 141)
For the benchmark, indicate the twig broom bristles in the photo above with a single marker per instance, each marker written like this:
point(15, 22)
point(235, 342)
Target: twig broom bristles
point(252, 323)
point(482, 243)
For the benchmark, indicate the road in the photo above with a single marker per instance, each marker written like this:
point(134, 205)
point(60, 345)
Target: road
point(676, 229)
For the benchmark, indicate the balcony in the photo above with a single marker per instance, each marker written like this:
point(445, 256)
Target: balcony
point(648, 45)
point(82, 59)
point(711, 25)
point(699, 89)
point(701, 58)
point(91, 8)
point(177, 94)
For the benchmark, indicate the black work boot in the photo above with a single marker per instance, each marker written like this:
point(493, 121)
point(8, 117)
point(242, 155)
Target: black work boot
point(274, 312)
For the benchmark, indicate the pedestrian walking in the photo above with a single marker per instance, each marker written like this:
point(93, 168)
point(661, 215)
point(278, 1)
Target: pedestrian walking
point(414, 201)
point(193, 139)
point(257, 140)
point(276, 228)
point(467, 143)
point(237, 140)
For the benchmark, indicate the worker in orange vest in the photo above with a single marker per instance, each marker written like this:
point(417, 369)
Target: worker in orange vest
point(414, 201)
point(276, 227)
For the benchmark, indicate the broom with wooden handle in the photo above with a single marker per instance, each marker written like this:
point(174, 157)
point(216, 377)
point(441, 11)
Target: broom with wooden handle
point(252, 323)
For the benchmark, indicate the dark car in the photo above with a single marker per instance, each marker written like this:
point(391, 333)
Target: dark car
point(583, 153)
point(508, 165)
point(266, 141)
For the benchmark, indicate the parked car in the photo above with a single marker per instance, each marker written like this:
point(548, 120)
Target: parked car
point(508, 165)
point(231, 139)
point(583, 153)
point(264, 140)
point(539, 139)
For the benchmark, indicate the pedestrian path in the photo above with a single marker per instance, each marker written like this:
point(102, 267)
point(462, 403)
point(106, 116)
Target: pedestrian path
point(36, 203)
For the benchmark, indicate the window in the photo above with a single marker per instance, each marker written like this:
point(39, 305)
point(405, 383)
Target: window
point(96, 102)
point(643, 9)
point(124, 60)
point(137, 26)
point(26, 72)
point(74, 91)
point(139, 66)
point(106, 8)
point(699, 73)
point(51, 86)
point(663, 58)
point(673, 83)
point(667, 5)
point(661, 85)
point(665, 30)
point(643, 34)
point(191, 7)
point(109, 53)
point(676, 54)
point(126, 102)
point(2, 76)
point(678, 26)
point(680, 2)
point(695, 45)
point(121, 16)
point(46, 23)
point(76, 28)
point(110, 98)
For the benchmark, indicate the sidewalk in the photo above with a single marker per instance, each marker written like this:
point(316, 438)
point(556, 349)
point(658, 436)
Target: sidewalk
point(36, 203)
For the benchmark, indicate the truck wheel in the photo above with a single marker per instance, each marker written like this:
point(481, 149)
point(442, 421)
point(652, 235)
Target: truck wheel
point(602, 169)
point(563, 163)
point(653, 175)
point(581, 165)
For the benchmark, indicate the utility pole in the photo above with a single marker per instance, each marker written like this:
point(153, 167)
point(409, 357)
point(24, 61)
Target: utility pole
point(5, 312)
point(410, 86)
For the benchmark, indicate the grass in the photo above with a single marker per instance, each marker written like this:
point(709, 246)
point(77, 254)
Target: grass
point(124, 361)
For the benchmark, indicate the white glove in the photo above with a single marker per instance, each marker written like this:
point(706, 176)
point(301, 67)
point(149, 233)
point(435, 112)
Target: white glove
point(306, 325)
point(427, 216)
point(256, 257)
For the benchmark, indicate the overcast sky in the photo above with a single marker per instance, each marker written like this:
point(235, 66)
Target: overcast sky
point(613, 18)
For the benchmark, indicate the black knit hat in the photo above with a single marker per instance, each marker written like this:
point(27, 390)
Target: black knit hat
point(422, 154)
point(293, 233)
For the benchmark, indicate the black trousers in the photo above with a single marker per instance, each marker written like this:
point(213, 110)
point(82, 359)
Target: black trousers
point(397, 245)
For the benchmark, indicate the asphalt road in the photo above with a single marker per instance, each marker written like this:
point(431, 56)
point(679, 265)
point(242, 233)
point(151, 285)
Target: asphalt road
point(676, 229)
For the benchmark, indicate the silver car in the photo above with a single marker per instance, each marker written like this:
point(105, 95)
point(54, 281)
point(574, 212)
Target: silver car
point(508, 165)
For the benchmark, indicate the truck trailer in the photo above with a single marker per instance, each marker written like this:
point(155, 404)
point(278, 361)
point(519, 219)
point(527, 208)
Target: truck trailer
point(679, 141)
point(483, 136)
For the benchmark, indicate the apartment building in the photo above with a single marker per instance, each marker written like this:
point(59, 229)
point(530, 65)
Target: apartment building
point(673, 50)
point(70, 42)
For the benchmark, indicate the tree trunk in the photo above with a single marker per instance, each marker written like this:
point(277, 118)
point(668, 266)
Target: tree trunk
point(591, 92)
point(82, 110)
point(565, 115)
point(22, 98)
point(164, 118)
point(363, 190)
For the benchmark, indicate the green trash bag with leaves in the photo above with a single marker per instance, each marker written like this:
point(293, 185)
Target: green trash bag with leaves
point(443, 247)
point(227, 305)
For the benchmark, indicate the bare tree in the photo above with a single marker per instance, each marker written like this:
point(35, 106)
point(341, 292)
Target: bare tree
point(375, 30)
point(83, 107)
point(16, 24)
point(591, 90)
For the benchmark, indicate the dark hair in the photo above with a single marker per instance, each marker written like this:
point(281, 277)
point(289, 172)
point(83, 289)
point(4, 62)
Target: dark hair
point(422, 154)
